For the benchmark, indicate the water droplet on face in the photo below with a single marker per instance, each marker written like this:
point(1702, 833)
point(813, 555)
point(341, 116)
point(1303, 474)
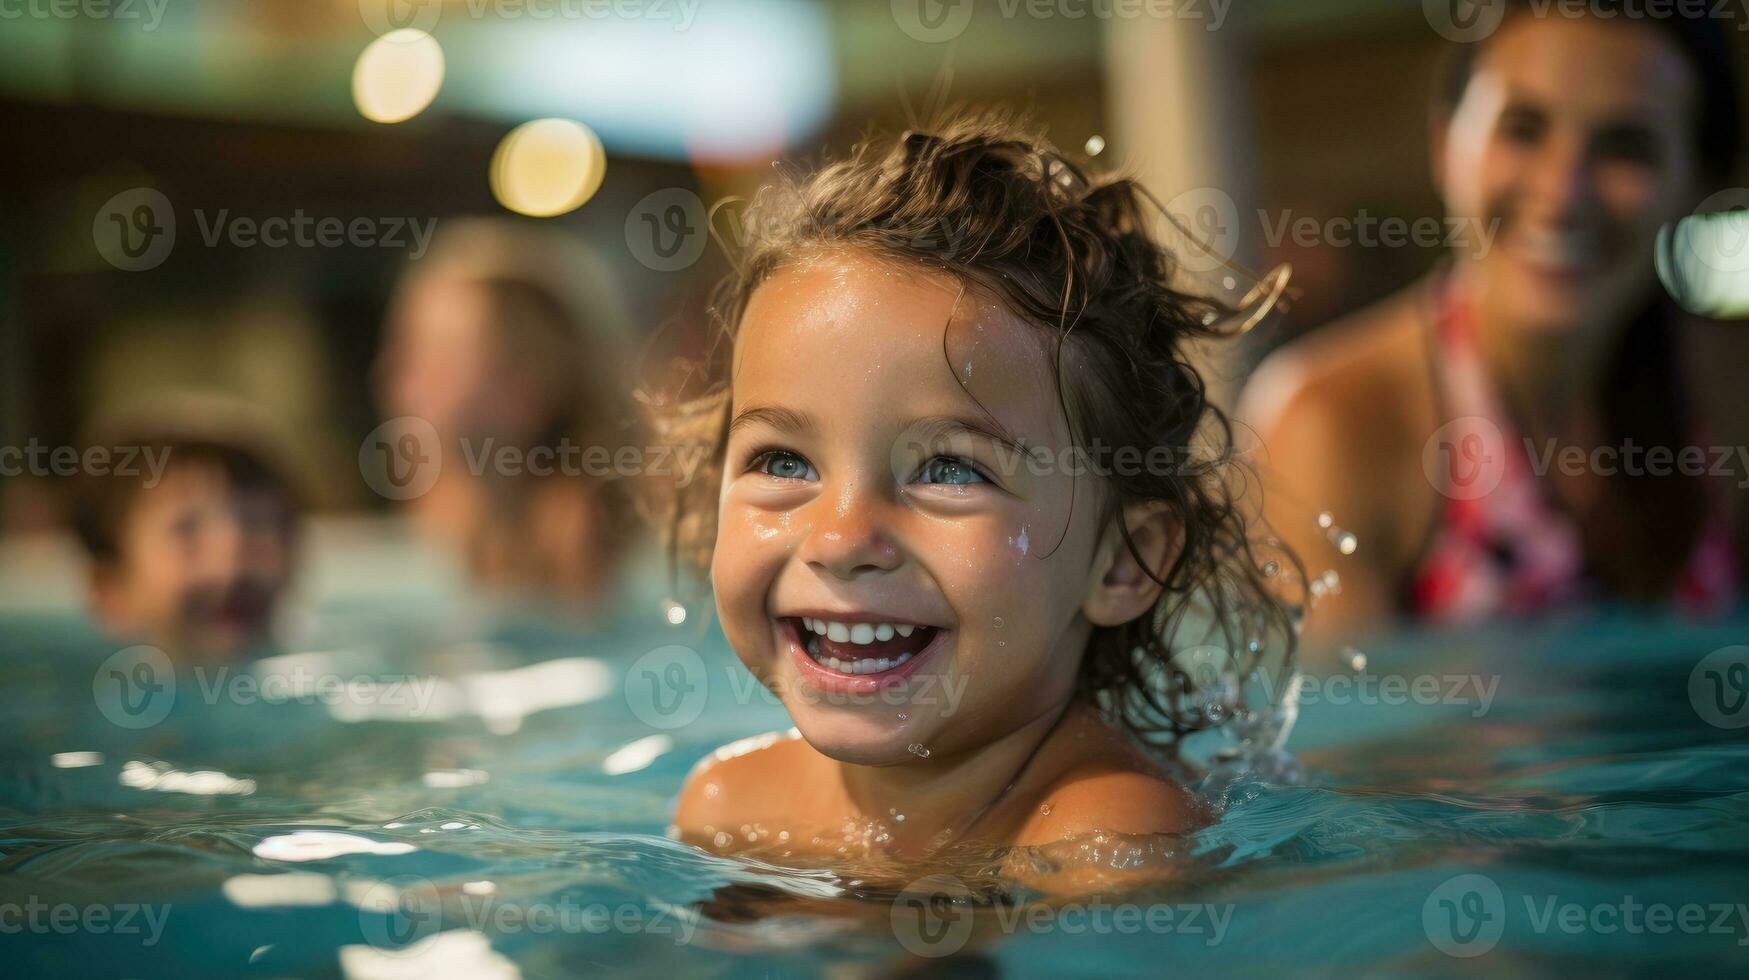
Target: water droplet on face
point(1345, 541)
point(903, 716)
point(917, 749)
point(722, 839)
point(1045, 810)
point(1332, 581)
point(1271, 567)
point(998, 622)
point(1325, 519)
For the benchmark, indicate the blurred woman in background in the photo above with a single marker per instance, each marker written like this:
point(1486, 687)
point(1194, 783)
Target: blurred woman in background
point(1478, 431)
point(508, 340)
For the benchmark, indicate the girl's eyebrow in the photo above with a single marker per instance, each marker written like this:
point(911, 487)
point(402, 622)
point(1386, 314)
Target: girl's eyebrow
point(940, 425)
point(778, 418)
point(788, 420)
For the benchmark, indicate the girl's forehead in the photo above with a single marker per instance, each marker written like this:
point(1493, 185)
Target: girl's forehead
point(842, 322)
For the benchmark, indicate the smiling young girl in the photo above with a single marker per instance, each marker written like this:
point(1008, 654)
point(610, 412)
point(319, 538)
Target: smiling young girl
point(972, 498)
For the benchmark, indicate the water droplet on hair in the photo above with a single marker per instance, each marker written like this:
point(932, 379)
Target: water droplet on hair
point(1254, 646)
point(917, 749)
point(1271, 567)
point(1095, 145)
point(1326, 519)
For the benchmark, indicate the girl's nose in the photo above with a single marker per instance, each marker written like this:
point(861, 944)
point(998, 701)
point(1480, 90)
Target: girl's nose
point(852, 537)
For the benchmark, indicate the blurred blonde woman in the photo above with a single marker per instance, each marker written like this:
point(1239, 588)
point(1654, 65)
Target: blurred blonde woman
point(509, 339)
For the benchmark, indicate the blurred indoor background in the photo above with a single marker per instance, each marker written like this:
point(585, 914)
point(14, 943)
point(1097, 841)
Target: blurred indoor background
point(256, 109)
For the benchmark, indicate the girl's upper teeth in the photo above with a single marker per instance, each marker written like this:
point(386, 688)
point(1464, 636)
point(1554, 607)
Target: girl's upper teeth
point(858, 633)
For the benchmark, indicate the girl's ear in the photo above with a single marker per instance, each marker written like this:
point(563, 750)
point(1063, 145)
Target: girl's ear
point(1120, 588)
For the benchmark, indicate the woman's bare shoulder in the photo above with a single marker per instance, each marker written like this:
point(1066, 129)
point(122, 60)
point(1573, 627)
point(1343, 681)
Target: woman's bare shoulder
point(1373, 358)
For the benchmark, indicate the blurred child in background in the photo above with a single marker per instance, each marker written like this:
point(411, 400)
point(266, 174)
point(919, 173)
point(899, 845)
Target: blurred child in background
point(192, 532)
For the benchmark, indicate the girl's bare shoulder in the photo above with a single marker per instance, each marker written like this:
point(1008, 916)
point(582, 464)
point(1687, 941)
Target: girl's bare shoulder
point(1098, 781)
point(741, 782)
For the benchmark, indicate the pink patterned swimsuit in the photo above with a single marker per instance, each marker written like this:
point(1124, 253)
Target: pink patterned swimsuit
point(1498, 547)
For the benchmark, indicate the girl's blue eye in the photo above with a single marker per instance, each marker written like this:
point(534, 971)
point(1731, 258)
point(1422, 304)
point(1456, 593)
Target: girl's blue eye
point(948, 470)
point(785, 466)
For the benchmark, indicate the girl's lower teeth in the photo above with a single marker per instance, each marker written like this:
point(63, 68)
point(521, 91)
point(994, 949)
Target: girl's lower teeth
point(862, 666)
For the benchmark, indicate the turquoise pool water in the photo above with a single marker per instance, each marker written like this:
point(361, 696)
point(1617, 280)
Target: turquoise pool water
point(1565, 798)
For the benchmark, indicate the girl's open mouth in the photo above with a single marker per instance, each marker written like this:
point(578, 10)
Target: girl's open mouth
point(865, 651)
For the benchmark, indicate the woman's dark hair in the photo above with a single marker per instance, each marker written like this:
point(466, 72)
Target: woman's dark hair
point(1705, 45)
point(982, 199)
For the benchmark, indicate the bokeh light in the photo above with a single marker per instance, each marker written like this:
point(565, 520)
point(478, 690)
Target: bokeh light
point(397, 76)
point(547, 167)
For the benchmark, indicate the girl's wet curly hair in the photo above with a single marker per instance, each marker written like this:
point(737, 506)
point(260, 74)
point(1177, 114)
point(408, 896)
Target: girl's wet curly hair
point(983, 199)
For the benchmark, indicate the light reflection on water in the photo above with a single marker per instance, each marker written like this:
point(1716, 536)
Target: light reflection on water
point(496, 834)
